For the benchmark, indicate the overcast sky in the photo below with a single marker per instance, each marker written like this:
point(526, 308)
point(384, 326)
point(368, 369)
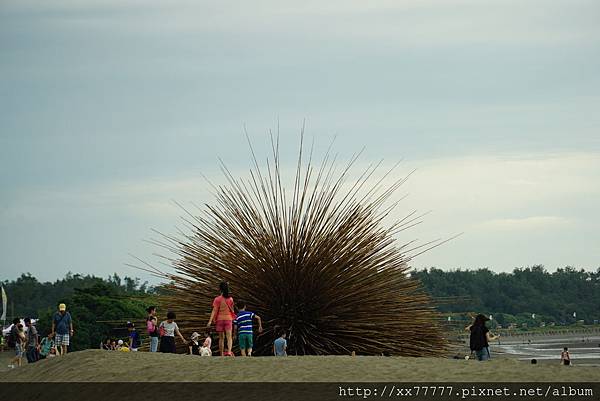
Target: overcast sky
point(109, 110)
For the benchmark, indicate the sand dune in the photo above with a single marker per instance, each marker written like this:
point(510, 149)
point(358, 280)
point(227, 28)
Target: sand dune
point(102, 366)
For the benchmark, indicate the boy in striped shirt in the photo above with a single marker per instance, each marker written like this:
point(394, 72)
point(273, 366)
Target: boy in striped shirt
point(243, 324)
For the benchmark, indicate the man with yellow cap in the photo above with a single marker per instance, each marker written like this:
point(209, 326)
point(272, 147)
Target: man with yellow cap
point(62, 328)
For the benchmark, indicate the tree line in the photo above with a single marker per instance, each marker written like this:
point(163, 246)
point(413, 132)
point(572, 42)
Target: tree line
point(565, 296)
point(101, 306)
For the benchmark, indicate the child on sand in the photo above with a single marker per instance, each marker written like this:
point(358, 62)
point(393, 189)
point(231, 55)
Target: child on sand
point(123, 346)
point(105, 345)
point(168, 329)
point(194, 347)
point(205, 350)
point(565, 358)
point(223, 315)
point(52, 352)
point(243, 324)
point(134, 337)
point(280, 345)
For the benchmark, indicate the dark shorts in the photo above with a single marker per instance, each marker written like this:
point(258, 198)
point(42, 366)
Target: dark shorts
point(167, 345)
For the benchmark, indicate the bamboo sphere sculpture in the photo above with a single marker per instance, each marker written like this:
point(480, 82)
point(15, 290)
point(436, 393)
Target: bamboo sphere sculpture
point(315, 261)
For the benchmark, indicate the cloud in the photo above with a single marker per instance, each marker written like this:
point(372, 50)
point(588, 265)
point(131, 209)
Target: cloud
point(406, 23)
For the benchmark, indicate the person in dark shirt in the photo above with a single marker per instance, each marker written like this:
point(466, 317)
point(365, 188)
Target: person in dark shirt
point(194, 346)
point(480, 338)
point(32, 342)
point(62, 329)
point(134, 337)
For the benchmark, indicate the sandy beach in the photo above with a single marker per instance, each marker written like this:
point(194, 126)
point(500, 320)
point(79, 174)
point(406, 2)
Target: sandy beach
point(103, 366)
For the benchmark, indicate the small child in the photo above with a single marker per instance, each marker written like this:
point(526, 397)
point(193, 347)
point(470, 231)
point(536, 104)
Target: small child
point(243, 325)
point(122, 346)
point(52, 352)
point(134, 337)
point(280, 345)
point(194, 347)
point(105, 345)
point(565, 358)
point(205, 350)
point(46, 346)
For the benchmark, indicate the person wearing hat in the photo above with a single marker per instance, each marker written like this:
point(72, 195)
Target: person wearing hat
point(480, 338)
point(62, 329)
point(134, 337)
point(122, 346)
point(194, 347)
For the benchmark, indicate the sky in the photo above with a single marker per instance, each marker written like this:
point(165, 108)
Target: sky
point(110, 111)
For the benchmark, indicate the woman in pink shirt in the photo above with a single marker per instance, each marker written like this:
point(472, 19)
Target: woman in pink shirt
point(223, 316)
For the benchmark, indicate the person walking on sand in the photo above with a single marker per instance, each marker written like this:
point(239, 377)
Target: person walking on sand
point(62, 329)
point(18, 336)
point(223, 315)
point(168, 329)
point(243, 325)
point(33, 345)
point(480, 338)
point(152, 327)
point(565, 358)
point(280, 345)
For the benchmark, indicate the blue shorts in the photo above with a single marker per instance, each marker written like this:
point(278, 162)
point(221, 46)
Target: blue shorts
point(18, 350)
point(483, 354)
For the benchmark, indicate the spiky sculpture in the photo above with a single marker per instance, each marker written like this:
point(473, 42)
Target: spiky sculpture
point(316, 262)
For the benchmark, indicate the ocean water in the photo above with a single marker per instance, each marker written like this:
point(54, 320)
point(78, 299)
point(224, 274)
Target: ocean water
point(546, 348)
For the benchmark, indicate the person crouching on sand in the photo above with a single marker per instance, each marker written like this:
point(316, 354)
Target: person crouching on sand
point(194, 347)
point(205, 350)
point(168, 329)
point(134, 337)
point(223, 316)
point(123, 346)
point(280, 345)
